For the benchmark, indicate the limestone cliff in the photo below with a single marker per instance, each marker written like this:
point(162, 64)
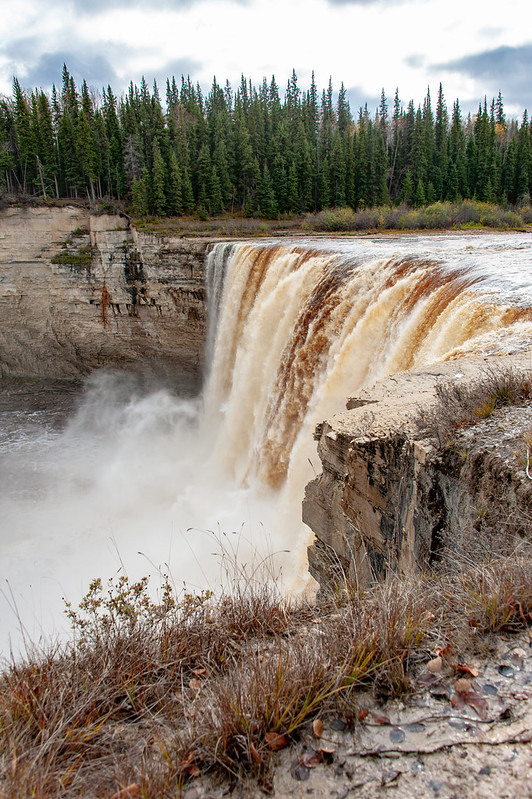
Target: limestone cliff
point(390, 499)
point(80, 291)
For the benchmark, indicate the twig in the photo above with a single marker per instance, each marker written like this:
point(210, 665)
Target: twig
point(523, 737)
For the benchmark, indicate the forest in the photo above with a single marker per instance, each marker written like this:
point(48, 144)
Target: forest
point(255, 152)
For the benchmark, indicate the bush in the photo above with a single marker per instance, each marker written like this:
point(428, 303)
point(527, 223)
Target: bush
point(438, 216)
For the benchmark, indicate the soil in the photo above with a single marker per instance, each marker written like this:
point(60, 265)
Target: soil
point(422, 747)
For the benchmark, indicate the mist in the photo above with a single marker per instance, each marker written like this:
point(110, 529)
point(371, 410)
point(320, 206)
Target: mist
point(128, 486)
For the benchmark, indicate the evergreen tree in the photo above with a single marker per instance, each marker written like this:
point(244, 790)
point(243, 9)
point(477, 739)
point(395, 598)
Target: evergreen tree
point(157, 195)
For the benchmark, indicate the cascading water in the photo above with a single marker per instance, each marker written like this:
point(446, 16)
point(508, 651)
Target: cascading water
point(294, 329)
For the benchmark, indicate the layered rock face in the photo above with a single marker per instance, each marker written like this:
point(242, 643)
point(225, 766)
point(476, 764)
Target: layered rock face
point(390, 499)
point(79, 291)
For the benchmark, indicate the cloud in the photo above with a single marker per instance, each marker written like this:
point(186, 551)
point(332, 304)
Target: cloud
point(503, 68)
point(358, 98)
point(89, 9)
point(366, 2)
point(94, 68)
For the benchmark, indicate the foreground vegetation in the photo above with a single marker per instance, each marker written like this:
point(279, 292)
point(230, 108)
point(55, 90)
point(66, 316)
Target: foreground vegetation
point(152, 694)
point(253, 152)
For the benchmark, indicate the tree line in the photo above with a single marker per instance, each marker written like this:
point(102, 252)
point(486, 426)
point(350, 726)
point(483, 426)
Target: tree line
point(254, 152)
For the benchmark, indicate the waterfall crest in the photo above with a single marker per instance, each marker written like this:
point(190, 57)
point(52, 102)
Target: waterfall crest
point(299, 329)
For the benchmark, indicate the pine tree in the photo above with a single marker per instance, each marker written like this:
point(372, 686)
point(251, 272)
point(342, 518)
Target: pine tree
point(25, 139)
point(174, 196)
point(157, 195)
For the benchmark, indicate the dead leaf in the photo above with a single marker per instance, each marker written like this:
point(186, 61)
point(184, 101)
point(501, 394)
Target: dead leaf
point(311, 759)
point(467, 668)
point(317, 728)
point(390, 776)
point(362, 713)
point(427, 679)
point(255, 754)
point(462, 686)
point(379, 719)
point(276, 741)
point(189, 767)
point(457, 700)
point(199, 672)
point(195, 684)
point(444, 651)
point(435, 665)
point(127, 793)
point(478, 703)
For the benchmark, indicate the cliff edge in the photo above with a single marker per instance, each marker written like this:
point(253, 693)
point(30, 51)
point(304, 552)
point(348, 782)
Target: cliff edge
point(80, 291)
point(390, 498)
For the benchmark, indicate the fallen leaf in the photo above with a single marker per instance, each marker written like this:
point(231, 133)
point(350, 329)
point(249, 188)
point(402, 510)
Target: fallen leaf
point(427, 679)
point(379, 719)
point(276, 741)
point(189, 767)
point(467, 668)
point(127, 793)
point(435, 665)
point(444, 651)
point(362, 713)
point(317, 728)
point(478, 703)
point(390, 776)
point(255, 754)
point(199, 672)
point(462, 686)
point(311, 759)
point(195, 684)
point(457, 700)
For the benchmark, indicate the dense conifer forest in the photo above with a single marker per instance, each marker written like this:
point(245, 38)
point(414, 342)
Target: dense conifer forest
point(255, 152)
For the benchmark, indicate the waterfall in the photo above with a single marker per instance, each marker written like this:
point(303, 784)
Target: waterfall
point(299, 329)
point(145, 482)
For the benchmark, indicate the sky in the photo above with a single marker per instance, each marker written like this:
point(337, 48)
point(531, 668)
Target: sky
point(475, 48)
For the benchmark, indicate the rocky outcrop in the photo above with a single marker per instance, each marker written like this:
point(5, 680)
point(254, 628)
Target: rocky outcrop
point(81, 291)
point(390, 499)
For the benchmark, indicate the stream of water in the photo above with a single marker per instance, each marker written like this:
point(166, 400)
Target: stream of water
point(140, 480)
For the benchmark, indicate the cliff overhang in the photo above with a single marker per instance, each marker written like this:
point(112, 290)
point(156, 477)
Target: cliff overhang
point(391, 499)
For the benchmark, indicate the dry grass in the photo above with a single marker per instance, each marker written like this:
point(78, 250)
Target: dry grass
point(154, 694)
point(462, 403)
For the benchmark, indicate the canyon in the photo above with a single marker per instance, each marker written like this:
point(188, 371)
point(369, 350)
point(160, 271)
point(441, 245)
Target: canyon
point(80, 292)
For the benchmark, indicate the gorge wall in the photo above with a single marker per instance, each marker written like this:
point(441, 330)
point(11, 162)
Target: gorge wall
point(80, 291)
point(300, 329)
point(391, 499)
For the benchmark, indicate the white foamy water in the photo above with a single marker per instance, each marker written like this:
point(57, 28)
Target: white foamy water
point(148, 482)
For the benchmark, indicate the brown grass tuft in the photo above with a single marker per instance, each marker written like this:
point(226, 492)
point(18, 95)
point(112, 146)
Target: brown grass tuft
point(153, 694)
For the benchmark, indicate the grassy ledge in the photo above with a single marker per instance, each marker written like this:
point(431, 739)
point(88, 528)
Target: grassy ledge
point(152, 695)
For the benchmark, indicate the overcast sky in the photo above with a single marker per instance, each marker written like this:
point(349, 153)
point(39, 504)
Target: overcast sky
point(474, 47)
